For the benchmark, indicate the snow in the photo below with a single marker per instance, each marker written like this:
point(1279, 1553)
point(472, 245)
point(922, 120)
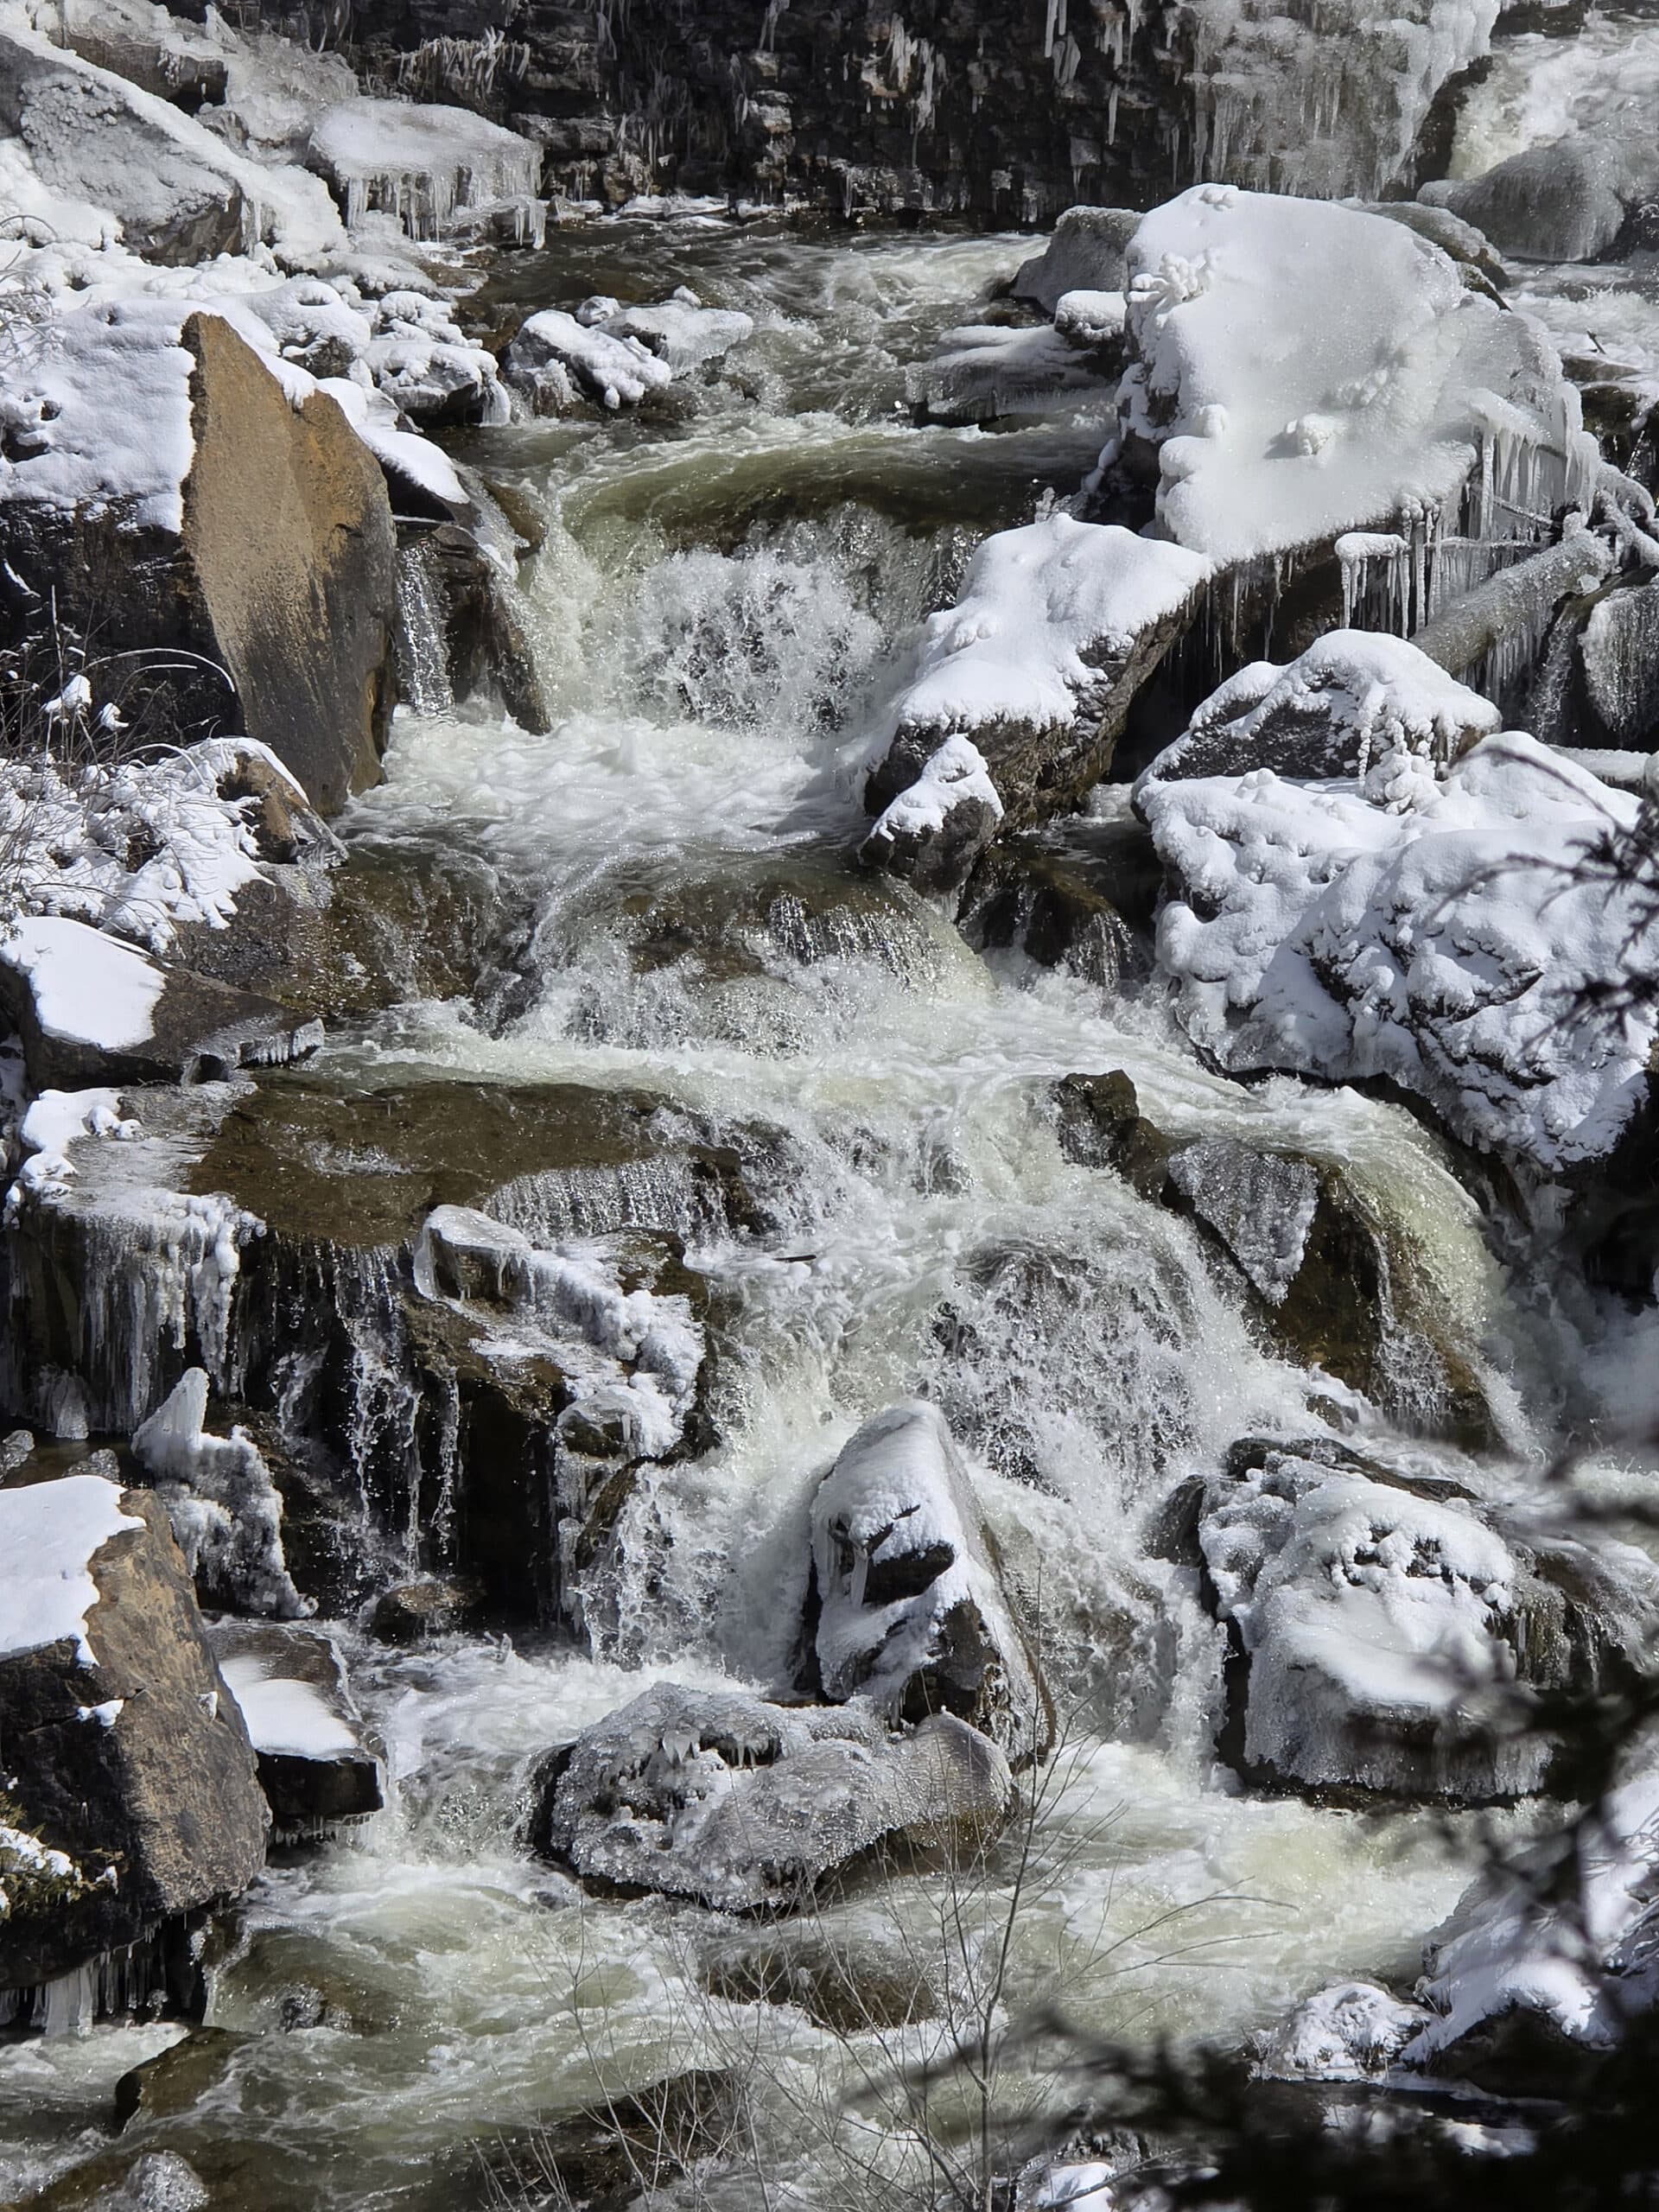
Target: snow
point(57, 1120)
point(421, 165)
point(562, 360)
point(286, 1717)
point(49, 1534)
point(375, 420)
point(226, 1511)
point(1305, 370)
point(1041, 609)
point(1412, 927)
point(87, 988)
point(1351, 2032)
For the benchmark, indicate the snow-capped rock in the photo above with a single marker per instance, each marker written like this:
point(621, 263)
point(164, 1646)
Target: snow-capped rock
point(315, 1768)
point(557, 362)
point(1424, 928)
point(1351, 697)
point(718, 1796)
point(1300, 370)
point(423, 165)
point(1351, 2032)
point(131, 1794)
point(912, 1616)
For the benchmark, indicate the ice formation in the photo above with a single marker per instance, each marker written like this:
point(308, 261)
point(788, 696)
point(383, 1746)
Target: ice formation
point(559, 360)
point(1299, 371)
point(423, 165)
point(1351, 2032)
point(226, 1512)
point(56, 1121)
point(982, 371)
point(1424, 928)
point(49, 1534)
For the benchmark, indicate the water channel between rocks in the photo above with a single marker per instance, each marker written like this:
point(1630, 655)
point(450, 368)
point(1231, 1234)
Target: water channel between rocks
point(716, 603)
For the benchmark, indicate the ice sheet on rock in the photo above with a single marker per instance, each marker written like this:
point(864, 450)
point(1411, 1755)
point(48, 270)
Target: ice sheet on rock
point(1511, 1948)
point(1413, 927)
point(1041, 610)
point(421, 164)
point(1373, 1620)
point(57, 1120)
point(1352, 698)
point(49, 1534)
point(226, 1511)
point(559, 361)
point(288, 1717)
point(87, 987)
point(1570, 200)
point(1261, 1206)
point(1398, 387)
point(681, 331)
point(984, 371)
point(1351, 2032)
point(912, 1616)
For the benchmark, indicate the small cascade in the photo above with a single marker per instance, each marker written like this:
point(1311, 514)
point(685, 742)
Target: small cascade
point(422, 654)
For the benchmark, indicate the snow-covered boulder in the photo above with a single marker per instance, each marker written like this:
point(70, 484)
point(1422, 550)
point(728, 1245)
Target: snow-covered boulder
point(1423, 928)
point(423, 165)
point(911, 1613)
point(1300, 370)
point(557, 362)
point(1085, 252)
point(91, 1010)
point(131, 1797)
point(1033, 670)
point(1391, 1627)
point(1352, 696)
point(317, 1768)
point(1569, 200)
point(225, 1511)
point(718, 1796)
point(1351, 2032)
point(138, 441)
point(1547, 1960)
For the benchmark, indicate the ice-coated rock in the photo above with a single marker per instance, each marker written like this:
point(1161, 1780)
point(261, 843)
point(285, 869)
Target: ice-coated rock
point(912, 1616)
point(1259, 448)
point(423, 165)
point(1033, 670)
point(718, 1796)
point(1550, 1957)
point(984, 371)
point(1569, 200)
point(558, 362)
point(680, 330)
point(225, 1509)
point(1424, 928)
point(1085, 252)
point(315, 1768)
point(1351, 697)
point(1391, 1628)
point(131, 1797)
point(1351, 2032)
point(1259, 1204)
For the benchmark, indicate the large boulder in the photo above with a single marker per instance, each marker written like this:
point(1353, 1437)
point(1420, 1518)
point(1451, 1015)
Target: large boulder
point(906, 1606)
point(316, 1768)
point(1019, 691)
point(1570, 200)
point(131, 1797)
point(140, 442)
point(1389, 1627)
point(1084, 253)
point(718, 1796)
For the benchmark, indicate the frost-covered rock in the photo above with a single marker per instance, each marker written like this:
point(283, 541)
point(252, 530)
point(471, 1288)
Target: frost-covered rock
point(1400, 392)
point(1569, 200)
point(1618, 651)
point(315, 1768)
point(681, 331)
point(131, 1797)
point(1351, 2032)
point(718, 1796)
point(1390, 1627)
point(1351, 697)
point(911, 1613)
point(1422, 928)
point(1550, 1958)
point(423, 165)
point(138, 441)
point(225, 1511)
point(1085, 252)
point(1058, 627)
point(983, 372)
point(557, 362)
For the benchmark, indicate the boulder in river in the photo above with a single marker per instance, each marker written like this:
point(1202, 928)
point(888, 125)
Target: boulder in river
point(317, 1768)
point(718, 1796)
point(907, 1611)
point(1085, 252)
point(131, 1799)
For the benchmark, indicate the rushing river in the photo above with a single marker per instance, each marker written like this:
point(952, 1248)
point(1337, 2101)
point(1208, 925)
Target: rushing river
point(718, 603)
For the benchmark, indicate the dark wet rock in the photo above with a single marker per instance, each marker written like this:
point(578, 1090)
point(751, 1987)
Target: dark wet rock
point(429, 1605)
point(130, 1799)
point(1044, 898)
point(171, 2085)
point(621, 2151)
point(746, 1806)
point(316, 1768)
point(1382, 1618)
point(846, 1983)
point(907, 1608)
